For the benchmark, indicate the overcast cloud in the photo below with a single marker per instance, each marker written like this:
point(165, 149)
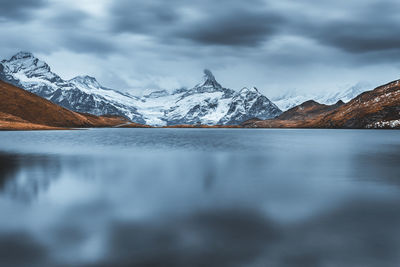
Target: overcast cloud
point(278, 46)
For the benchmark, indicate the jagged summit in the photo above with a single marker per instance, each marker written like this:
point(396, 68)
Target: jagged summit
point(246, 90)
point(86, 80)
point(24, 68)
point(209, 85)
point(21, 55)
point(25, 61)
point(209, 80)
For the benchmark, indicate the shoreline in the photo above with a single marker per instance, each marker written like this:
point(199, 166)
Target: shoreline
point(37, 127)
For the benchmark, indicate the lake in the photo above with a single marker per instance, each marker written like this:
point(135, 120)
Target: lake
point(200, 197)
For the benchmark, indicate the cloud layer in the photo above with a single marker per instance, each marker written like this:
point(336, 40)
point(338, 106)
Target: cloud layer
point(276, 46)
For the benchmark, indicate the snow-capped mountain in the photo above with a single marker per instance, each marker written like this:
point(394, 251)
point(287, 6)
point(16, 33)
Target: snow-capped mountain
point(206, 103)
point(291, 99)
point(82, 94)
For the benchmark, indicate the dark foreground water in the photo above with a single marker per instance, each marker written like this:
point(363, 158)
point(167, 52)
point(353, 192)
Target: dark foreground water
point(200, 197)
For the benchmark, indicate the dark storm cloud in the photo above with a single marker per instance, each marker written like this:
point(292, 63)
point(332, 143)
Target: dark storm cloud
point(19, 9)
point(88, 43)
point(234, 23)
point(371, 27)
point(142, 16)
point(356, 37)
point(68, 18)
point(84, 40)
point(264, 41)
point(240, 28)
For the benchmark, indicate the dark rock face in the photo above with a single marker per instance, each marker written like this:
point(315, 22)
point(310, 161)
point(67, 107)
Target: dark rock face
point(79, 101)
point(248, 104)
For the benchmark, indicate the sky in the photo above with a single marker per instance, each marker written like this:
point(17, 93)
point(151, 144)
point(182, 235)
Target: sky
point(280, 46)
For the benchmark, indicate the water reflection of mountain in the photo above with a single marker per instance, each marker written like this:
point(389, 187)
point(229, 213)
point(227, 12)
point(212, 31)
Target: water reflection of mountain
point(25, 176)
point(381, 166)
point(362, 233)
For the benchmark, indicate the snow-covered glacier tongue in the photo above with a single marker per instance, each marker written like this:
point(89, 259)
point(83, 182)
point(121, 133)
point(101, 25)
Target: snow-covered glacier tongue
point(206, 103)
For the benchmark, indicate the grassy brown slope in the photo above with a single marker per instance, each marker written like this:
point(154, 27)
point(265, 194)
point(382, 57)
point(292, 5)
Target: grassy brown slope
point(301, 116)
point(308, 110)
point(379, 105)
point(23, 108)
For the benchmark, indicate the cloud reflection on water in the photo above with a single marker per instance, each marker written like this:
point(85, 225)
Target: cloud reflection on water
point(285, 205)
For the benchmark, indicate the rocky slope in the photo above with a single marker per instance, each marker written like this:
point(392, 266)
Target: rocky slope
point(248, 104)
point(207, 103)
point(20, 109)
point(379, 108)
point(308, 110)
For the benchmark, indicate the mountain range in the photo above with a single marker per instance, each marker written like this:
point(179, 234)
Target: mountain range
point(48, 101)
point(207, 103)
point(378, 108)
point(293, 98)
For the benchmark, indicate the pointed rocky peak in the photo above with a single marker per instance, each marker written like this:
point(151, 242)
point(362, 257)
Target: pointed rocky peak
point(85, 81)
point(248, 93)
point(22, 55)
point(30, 66)
point(339, 103)
point(254, 89)
point(209, 80)
point(209, 85)
point(246, 90)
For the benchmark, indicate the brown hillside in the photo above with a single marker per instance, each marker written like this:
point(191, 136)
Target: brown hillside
point(21, 108)
point(373, 107)
point(308, 110)
point(379, 108)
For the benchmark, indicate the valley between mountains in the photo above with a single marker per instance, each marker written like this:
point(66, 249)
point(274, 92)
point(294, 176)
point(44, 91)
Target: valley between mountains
point(33, 97)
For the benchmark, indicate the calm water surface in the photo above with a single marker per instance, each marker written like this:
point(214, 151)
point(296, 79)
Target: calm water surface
point(200, 197)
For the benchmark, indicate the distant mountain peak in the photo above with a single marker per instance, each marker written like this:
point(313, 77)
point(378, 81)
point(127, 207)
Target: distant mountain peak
point(209, 79)
point(249, 89)
point(22, 55)
point(25, 60)
point(27, 65)
point(86, 80)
